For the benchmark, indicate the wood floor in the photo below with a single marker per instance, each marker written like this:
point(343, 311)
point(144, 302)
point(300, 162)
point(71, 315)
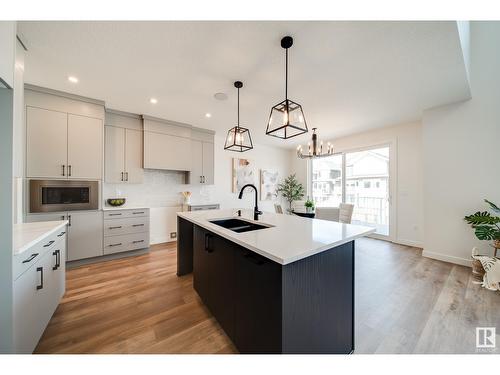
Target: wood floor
point(405, 303)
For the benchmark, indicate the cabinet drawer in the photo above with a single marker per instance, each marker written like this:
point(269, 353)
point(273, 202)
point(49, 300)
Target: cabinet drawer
point(126, 226)
point(22, 262)
point(118, 214)
point(126, 242)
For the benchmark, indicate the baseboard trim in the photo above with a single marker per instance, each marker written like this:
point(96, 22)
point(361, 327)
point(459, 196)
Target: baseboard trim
point(104, 258)
point(447, 258)
point(409, 243)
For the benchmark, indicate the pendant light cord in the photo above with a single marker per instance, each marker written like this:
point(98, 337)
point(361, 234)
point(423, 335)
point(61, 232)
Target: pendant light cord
point(286, 73)
point(238, 109)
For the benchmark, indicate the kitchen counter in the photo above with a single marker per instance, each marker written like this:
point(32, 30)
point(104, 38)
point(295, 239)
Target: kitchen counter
point(26, 235)
point(290, 238)
point(124, 207)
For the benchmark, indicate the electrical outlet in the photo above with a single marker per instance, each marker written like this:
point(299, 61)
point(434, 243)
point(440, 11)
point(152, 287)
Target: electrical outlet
point(173, 234)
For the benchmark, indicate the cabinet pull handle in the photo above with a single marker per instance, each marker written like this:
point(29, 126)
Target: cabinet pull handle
point(122, 176)
point(138, 225)
point(138, 241)
point(69, 170)
point(48, 244)
point(61, 234)
point(58, 258)
point(137, 213)
point(114, 244)
point(63, 170)
point(118, 227)
point(32, 256)
point(115, 214)
point(126, 176)
point(252, 258)
point(40, 269)
point(207, 243)
point(203, 179)
point(69, 219)
point(55, 267)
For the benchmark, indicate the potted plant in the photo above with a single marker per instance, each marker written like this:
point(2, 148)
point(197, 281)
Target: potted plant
point(291, 190)
point(486, 226)
point(309, 204)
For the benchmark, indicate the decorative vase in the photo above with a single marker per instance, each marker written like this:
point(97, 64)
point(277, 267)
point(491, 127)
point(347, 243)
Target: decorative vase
point(309, 210)
point(187, 200)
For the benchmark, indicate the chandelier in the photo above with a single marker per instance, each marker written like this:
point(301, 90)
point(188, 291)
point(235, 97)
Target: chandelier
point(313, 150)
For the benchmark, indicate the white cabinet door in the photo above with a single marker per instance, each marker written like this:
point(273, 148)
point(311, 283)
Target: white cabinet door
point(46, 148)
point(85, 234)
point(114, 159)
point(84, 147)
point(196, 174)
point(133, 156)
point(163, 151)
point(208, 163)
point(58, 270)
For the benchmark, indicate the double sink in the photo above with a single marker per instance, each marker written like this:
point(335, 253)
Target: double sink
point(238, 225)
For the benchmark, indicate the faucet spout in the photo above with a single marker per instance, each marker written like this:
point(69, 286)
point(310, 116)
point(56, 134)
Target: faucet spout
point(256, 211)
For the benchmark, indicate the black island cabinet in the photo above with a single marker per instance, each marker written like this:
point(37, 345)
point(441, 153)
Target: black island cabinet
point(265, 307)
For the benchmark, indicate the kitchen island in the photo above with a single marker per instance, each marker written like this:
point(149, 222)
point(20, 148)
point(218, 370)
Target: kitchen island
point(283, 284)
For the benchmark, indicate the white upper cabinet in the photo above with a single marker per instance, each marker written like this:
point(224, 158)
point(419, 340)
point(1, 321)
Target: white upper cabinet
point(114, 157)
point(202, 158)
point(208, 163)
point(84, 147)
point(8, 52)
point(46, 149)
point(196, 175)
point(134, 172)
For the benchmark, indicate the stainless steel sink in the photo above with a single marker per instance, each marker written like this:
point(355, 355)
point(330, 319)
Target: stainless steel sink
point(238, 225)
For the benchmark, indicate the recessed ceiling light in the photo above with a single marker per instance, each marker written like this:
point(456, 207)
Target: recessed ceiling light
point(73, 79)
point(208, 115)
point(153, 100)
point(220, 96)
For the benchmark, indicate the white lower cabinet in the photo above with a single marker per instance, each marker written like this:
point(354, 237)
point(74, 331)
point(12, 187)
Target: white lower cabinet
point(125, 230)
point(85, 232)
point(38, 289)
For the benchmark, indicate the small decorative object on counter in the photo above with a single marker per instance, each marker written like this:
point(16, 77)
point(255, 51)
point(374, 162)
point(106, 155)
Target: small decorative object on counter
point(116, 202)
point(187, 197)
point(309, 205)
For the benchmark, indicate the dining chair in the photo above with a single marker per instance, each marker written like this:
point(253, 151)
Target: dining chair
point(345, 212)
point(327, 213)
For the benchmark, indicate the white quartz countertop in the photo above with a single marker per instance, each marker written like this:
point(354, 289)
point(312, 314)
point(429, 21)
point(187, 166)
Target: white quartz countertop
point(26, 235)
point(290, 238)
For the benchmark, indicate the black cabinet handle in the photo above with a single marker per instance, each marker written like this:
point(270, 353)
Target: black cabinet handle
point(115, 214)
point(55, 254)
point(118, 227)
point(255, 259)
point(40, 269)
point(63, 172)
point(69, 170)
point(207, 243)
point(32, 256)
point(48, 244)
point(137, 213)
point(138, 225)
point(58, 258)
point(114, 244)
point(61, 234)
point(126, 176)
point(69, 220)
point(138, 241)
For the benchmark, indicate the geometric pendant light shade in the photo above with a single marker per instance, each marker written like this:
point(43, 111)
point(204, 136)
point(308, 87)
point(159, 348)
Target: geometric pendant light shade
point(287, 118)
point(238, 138)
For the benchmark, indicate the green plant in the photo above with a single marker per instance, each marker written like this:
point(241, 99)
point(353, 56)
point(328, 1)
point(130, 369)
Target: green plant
point(309, 203)
point(291, 189)
point(486, 225)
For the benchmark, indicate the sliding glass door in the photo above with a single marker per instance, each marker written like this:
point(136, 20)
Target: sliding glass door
point(360, 178)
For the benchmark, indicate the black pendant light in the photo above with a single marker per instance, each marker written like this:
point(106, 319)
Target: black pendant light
point(287, 118)
point(238, 138)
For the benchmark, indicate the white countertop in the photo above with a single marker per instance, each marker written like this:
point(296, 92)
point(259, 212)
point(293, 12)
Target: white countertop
point(124, 207)
point(26, 235)
point(290, 239)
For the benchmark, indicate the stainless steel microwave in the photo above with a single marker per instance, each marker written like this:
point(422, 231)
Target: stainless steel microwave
point(63, 195)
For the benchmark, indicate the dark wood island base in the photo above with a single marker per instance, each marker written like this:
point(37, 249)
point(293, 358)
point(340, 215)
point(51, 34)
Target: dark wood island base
point(304, 307)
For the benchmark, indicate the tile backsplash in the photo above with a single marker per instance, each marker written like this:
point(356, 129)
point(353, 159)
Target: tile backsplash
point(159, 189)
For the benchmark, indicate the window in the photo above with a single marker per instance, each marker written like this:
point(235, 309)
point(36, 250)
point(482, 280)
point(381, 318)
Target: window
point(327, 181)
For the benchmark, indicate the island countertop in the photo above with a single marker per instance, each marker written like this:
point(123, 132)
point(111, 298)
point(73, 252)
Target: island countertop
point(288, 239)
point(25, 235)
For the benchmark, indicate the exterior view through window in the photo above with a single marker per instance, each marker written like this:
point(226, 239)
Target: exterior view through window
point(365, 185)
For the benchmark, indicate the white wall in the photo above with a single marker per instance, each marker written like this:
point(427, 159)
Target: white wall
point(19, 135)
point(407, 169)
point(161, 190)
point(461, 148)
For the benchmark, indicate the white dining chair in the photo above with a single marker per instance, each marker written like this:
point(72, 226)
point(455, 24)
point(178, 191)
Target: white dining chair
point(327, 213)
point(345, 212)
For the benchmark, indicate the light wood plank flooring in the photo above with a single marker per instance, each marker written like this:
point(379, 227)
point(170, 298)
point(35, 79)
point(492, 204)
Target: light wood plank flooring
point(405, 303)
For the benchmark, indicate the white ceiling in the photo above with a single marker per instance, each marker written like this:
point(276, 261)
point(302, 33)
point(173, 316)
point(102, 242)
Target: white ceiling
point(348, 76)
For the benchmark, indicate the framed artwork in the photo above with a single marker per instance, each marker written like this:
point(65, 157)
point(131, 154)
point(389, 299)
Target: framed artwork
point(268, 185)
point(243, 173)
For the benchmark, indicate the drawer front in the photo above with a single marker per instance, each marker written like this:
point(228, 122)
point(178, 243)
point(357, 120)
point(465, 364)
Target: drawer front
point(127, 242)
point(119, 214)
point(205, 207)
point(126, 226)
point(22, 262)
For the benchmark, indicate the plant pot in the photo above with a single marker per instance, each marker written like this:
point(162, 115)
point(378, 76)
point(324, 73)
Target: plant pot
point(309, 210)
point(477, 271)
